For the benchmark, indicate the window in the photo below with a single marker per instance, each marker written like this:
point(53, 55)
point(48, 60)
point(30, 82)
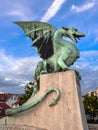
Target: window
point(0, 109)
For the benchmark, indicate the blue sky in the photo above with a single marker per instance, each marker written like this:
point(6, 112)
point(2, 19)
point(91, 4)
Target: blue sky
point(18, 60)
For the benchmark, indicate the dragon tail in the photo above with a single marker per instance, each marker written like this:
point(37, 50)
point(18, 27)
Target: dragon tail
point(23, 108)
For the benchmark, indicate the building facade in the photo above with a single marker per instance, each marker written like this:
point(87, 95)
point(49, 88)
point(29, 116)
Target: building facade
point(8, 100)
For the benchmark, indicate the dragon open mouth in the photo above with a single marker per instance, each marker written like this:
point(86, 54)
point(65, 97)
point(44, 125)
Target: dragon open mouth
point(73, 33)
point(75, 37)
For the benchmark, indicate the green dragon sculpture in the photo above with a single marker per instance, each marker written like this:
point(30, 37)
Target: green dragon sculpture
point(57, 53)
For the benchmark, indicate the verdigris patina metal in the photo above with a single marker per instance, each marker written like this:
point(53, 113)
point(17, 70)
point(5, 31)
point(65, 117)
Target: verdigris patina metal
point(26, 107)
point(57, 53)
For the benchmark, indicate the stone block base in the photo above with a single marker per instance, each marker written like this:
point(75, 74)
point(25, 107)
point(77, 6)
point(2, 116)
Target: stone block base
point(67, 114)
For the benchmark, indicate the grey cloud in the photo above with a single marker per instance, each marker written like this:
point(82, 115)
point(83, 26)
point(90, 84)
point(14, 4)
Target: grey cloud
point(16, 72)
point(87, 66)
point(89, 79)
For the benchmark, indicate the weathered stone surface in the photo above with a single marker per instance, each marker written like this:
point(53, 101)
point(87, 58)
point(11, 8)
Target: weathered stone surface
point(68, 114)
point(93, 126)
point(17, 127)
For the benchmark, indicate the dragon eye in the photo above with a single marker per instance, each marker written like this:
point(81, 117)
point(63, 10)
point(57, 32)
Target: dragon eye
point(65, 28)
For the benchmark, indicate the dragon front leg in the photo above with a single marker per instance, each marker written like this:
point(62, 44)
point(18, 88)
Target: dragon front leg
point(38, 70)
point(61, 62)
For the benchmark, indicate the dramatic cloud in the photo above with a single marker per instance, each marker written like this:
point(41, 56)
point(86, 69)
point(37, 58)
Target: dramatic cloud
point(84, 7)
point(89, 59)
point(87, 65)
point(52, 10)
point(89, 79)
point(15, 73)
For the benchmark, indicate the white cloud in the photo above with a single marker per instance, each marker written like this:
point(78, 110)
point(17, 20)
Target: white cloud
point(88, 59)
point(89, 79)
point(52, 10)
point(22, 13)
point(87, 65)
point(15, 72)
point(17, 65)
point(18, 13)
point(84, 7)
point(5, 63)
point(7, 79)
point(20, 10)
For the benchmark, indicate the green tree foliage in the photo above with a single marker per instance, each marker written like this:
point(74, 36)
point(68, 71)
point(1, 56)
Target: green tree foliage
point(91, 106)
point(27, 93)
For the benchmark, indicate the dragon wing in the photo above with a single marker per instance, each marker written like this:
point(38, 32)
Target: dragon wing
point(41, 34)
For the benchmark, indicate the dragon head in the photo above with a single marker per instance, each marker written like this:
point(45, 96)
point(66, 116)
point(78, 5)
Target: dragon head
point(72, 33)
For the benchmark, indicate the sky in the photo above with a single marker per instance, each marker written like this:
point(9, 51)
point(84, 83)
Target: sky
point(18, 59)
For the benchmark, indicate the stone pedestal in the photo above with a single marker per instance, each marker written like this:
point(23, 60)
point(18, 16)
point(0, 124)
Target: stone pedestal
point(67, 114)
